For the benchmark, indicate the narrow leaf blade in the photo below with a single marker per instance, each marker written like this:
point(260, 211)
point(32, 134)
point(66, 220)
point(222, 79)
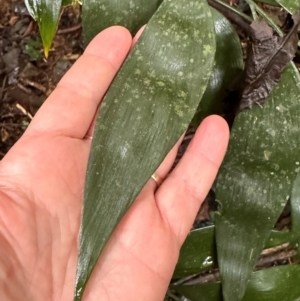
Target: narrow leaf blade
point(101, 14)
point(255, 181)
point(147, 108)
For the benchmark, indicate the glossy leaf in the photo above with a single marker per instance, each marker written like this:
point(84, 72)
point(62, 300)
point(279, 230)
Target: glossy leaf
point(147, 108)
point(292, 6)
point(228, 65)
point(46, 13)
point(100, 14)
point(274, 284)
point(198, 252)
point(256, 180)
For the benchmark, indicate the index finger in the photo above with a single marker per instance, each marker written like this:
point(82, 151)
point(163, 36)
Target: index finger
point(181, 194)
point(70, 108)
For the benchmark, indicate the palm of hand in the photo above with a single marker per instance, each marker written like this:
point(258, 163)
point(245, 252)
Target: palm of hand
point(43, 236)
point(43, 175)
point(41, 190)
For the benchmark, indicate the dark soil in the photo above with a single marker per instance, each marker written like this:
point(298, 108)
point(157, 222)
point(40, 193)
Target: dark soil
point(26, 77)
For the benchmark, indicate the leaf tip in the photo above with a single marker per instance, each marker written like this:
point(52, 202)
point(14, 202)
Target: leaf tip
point(78, 293)
point(46, 51)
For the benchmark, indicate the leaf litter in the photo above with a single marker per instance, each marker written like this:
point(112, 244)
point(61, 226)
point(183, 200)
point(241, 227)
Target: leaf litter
point(267, 58)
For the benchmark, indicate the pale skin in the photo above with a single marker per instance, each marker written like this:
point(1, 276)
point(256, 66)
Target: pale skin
point(41, 195)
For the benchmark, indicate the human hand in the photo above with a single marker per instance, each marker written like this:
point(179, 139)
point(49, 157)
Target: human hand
point(41, 193)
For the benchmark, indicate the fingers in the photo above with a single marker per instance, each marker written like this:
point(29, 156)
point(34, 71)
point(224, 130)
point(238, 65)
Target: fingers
point(164, 167)
point(182, 193)
point(138, 34)
point(71, 107)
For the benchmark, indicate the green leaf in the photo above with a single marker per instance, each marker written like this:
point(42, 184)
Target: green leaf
point(147, 108)
point(228, 65)
point(101, 14)
point(46, 13)
point(198, 252)
point(274, 284)
point(278, 238)
point(292, 6)
point(256, 180)
point(202, 292)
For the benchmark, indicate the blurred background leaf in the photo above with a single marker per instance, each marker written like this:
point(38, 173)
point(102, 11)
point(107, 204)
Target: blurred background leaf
point(46, 13)
point(70, 2)
point(198, 253)
point(274, 284)
point(292, 6)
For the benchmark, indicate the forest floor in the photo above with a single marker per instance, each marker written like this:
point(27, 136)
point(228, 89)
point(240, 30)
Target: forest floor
point(26, 77)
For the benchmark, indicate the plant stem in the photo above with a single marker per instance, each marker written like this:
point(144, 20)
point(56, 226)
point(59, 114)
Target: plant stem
point(253, 11)
point(232, 14)
point(173, 296)
point(266, 17)
point(236, 11)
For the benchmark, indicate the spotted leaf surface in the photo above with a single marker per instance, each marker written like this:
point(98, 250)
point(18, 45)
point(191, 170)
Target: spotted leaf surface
point(147, 108)
point(256, 180)
point(228, 65)
point(100, 14)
